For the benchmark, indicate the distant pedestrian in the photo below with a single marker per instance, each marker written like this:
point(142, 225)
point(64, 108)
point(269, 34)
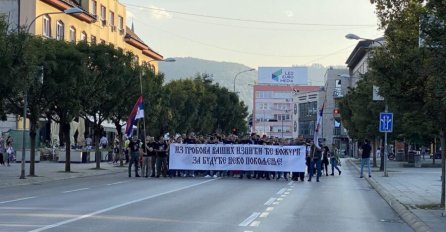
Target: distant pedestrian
point(9, 150)
point(2, 150)
point(333, 161)
point(365, 157)
point(423, 151)
point(325, 160)
point(103, 142)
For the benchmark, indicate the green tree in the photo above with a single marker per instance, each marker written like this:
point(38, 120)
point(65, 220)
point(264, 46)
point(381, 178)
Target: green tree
point(200, 106)
point(65, 82)
point(125, 93)
point(415, 74)
point(105, 66)
point(22, 70)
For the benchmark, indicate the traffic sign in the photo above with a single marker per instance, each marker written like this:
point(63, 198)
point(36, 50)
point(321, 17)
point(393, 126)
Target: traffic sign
point(385, 122)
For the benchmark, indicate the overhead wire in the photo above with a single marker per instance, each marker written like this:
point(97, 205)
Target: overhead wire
point(246, 20)
point(319, 56)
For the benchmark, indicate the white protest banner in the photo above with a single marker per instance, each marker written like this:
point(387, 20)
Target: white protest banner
point(245, 157)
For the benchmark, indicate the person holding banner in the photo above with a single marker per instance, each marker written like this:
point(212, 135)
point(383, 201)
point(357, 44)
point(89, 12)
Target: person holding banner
point(315, 156)
point(300, 141)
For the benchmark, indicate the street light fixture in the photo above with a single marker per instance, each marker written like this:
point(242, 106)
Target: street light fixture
point(69, 11)
point(356, 37)
point(235, 77)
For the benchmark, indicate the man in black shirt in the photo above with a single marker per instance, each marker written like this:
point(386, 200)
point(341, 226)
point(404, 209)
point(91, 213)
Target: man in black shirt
point(134, 155)
point(365, 157)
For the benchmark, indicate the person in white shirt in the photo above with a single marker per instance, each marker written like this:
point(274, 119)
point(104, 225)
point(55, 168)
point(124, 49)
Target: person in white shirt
point(103, 142)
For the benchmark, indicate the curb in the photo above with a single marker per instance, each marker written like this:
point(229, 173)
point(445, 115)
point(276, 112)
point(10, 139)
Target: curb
point(410, 218)
point(49, 179)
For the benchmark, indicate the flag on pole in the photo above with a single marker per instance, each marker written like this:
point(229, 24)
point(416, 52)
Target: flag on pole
point(137, 113)
point(318, 126)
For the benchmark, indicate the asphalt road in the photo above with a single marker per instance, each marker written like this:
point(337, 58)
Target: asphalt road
point(118, 203)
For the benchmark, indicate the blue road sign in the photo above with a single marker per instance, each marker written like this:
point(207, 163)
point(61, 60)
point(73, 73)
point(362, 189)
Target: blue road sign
point(385, 122)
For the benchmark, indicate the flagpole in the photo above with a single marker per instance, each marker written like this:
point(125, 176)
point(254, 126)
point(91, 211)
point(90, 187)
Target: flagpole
point(144, 118)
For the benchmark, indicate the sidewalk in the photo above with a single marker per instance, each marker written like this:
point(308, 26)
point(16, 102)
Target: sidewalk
point(50, 171)
point(414, 193)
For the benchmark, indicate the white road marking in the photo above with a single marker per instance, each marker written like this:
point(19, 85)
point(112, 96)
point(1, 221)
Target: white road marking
point(283, 195)
point(250, 219)
point(270, 201)
point(75, 190)
point(281, 191)
point(255, 224)
point(276, 203)
point(119, 182)
point(269, 209)
point(264, 214)
point(116, 207)
point(19, 199)
point(279, 199)
point(291, 183)
point(286, 193)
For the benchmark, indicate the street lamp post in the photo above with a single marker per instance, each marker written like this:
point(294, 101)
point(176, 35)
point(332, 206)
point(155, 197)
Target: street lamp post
point(73, 10)
point(235, 77)
point(140, 85)
point(384, 157)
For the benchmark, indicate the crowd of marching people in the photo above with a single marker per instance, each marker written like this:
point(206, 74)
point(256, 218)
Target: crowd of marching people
point(150, 158)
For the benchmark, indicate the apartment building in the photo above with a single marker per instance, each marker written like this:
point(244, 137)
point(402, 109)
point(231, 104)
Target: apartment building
point(101, 21)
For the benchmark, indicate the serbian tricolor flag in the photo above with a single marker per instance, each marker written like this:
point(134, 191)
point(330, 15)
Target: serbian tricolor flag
point(318, 126)
point(137, 113)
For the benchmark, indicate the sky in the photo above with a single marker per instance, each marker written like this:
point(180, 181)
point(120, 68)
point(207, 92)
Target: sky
point(265, 33)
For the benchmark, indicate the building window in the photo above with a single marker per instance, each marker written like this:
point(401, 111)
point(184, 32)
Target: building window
point(103, 15)
point(112, 18)
point(93, 39)
point(60, 28)
point(73, 34)
point(120, 23)
point(94, 8)
point(84, 36)
point(46, 30)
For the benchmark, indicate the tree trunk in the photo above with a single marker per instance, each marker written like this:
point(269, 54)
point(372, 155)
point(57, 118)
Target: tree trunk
point(66, 131)
point(443, 171)
point(97, 137)
point(32, 135)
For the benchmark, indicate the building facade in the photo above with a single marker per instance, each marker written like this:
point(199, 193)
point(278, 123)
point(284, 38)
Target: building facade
point(334, 134)
point(101, 21)
point(306, 107)
point(357, 64)
point(274, 109)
